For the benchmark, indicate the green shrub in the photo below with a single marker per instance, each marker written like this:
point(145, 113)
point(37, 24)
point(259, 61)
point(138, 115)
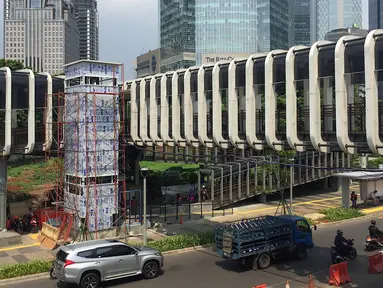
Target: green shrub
point(23, 269)
point(182, 241)
point(338, 214)
point(310, 221)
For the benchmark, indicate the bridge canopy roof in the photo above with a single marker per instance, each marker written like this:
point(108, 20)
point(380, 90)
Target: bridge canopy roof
point(361, 175)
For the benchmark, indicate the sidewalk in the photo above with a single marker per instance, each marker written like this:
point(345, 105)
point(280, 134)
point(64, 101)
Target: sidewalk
point(304, 205)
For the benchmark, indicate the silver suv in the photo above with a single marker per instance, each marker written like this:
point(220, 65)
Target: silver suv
point(90, 263)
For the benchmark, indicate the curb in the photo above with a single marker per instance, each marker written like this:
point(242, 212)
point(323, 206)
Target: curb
point(45, 275)
point(23, 279)
point(190, 249)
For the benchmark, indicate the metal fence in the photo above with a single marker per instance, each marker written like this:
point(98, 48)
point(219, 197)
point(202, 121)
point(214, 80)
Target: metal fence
point(163, 212)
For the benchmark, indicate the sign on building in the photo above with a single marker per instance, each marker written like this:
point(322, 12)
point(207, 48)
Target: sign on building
point(214, 58)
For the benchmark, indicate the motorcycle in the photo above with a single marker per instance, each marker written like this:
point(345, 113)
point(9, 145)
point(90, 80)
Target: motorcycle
point(350, 253)
point(52, 272)
point(16, 224)
point(373, 244)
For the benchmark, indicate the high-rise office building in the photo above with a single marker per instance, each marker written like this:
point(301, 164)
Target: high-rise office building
point(177, 34)
point(300, 22)
point(329, 15)
point(88, 28)
point(227, 29)
point(41, 33)
point(375, 14)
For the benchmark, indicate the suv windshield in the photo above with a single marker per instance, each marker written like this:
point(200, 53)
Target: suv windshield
point(61, 255)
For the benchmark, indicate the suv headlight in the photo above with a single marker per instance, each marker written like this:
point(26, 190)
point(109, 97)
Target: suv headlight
point(159, 254)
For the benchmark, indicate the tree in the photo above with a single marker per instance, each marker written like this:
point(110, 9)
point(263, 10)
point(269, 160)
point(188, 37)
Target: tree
point(12, 64)
point(60, 74)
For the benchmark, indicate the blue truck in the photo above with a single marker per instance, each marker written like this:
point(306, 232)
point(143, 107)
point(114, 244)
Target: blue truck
point(258, 241)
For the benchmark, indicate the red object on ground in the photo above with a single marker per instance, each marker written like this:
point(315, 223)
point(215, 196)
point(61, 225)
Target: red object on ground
point(43, 215)
point(339, 274)
point(375, 263)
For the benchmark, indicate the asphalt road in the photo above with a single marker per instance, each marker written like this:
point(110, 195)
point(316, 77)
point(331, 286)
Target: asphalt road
point(205, 269)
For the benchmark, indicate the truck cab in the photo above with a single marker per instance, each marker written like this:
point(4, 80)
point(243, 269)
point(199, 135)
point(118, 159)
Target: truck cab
point(302, 232)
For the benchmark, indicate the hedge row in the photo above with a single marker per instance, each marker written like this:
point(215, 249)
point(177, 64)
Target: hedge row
point(163, 245)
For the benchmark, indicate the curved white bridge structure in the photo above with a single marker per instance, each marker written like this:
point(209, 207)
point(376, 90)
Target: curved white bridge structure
point(323, 98)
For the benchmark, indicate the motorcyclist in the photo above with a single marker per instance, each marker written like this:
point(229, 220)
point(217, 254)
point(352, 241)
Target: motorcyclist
point(341, 243)
point(375, 232)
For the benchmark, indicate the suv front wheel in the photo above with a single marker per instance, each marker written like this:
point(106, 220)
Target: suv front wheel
point(90, 280)
point(150, 270)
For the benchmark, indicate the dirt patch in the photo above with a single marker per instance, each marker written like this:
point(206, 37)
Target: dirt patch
point(14, 188)
point(41, 190)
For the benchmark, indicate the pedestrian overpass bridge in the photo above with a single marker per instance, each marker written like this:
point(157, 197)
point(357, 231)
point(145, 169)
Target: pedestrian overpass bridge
point(323, 101)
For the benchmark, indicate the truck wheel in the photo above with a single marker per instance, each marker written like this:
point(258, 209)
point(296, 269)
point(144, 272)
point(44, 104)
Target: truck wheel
point(301, 252)
point(264, 261)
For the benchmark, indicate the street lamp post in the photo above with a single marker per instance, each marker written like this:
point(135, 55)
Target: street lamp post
point(144, 174)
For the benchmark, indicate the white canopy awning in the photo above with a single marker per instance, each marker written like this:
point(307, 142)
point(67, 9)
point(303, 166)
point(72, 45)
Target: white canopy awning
point(361, 175)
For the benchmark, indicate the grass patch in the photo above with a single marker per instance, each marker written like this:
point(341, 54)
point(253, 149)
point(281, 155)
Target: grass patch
point(162, 166)
point(338, 214)
point(182, 241)
point(28, 174)
point(163, 245)
point(24, 269)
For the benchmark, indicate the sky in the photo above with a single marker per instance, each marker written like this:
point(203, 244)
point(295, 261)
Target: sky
point(127, 29)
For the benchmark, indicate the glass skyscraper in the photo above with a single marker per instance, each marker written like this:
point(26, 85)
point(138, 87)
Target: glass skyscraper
point(375, 14)
point(177, 34)
point(334, 14)
point(88, 28)
point(240, 26)
point(300, 22)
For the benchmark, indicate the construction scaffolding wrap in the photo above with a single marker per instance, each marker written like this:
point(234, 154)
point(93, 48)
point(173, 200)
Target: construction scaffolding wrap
point(83, 132)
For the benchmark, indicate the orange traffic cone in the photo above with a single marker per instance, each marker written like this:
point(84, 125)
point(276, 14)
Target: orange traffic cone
point(311, 281)
point(287, 284)
point(181, 220)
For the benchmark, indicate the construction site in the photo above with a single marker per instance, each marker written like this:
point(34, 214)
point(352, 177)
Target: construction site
point(83, 129)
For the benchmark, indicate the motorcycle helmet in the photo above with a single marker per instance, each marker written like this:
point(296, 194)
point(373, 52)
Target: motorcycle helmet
point(373, 222)
point(339, 232)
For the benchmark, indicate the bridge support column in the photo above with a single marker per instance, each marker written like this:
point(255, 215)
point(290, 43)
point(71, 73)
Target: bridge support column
point(307, 167)
point(345, 192)
point(3, 191)
point(300, 168)
point(261, 198)
point(363, 160)
point(313, 165)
